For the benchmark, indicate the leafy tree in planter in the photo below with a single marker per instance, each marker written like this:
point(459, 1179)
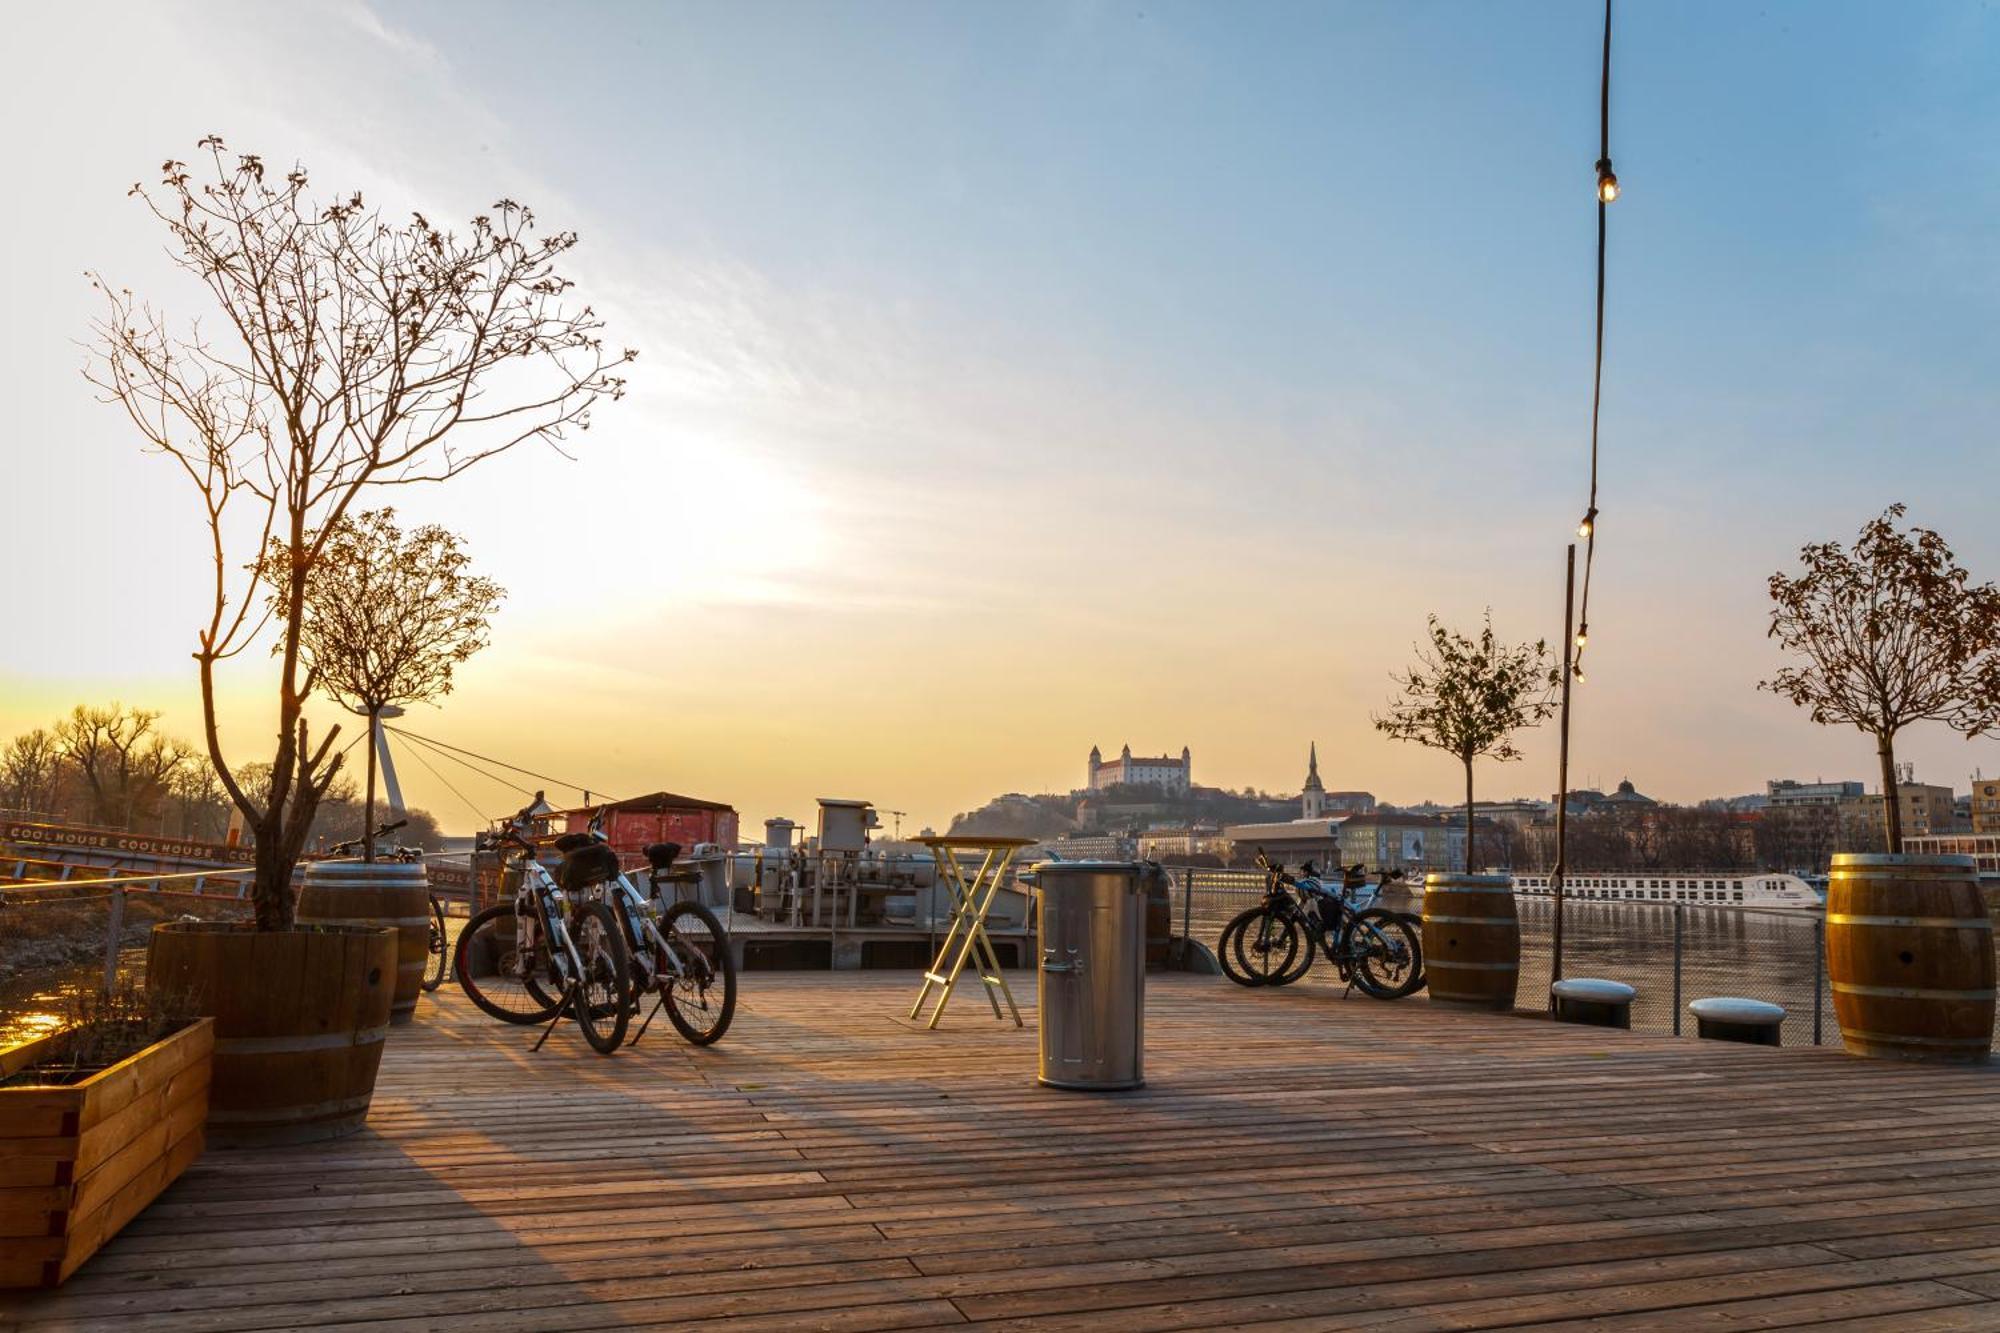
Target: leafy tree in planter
point(1469, 696)
point(344, 350)
point(388, 616)
point(1893, 632)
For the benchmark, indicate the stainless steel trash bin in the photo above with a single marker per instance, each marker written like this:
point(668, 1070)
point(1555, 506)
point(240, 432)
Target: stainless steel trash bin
point(1091, 986)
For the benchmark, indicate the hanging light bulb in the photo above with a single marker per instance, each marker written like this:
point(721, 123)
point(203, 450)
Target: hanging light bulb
point(1582, 635)
point(1578, 670)
point(1589, 524)
point(1607, 181)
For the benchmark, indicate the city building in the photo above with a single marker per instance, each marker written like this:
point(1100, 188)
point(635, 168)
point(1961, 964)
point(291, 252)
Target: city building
point(1786, 794)
point(1927, 810)
point(1413, 844)
point(1164, 772)
point(1288, 843)
point(1312, 801)
point(1985, 804)
point(1176, 844)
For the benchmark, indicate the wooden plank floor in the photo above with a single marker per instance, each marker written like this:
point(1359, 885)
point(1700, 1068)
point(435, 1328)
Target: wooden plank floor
point(1297, 1161)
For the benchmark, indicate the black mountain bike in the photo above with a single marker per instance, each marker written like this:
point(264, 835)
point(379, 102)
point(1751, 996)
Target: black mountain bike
point(1275, 942)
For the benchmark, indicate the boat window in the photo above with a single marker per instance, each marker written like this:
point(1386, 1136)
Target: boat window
point(1739, 895)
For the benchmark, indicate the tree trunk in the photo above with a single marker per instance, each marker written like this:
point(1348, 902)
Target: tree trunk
point(1892, 802)
point(1469, 862)
point(368, 801)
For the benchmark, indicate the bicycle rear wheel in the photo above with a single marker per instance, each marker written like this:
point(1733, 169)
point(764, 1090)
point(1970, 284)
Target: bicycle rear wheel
point(697, 976)
point(502, 964)
point(1227, 943)
point(603, 1004)
point(435, 964)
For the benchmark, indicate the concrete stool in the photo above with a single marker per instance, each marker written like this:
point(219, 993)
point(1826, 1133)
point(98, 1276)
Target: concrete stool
point(1732, 1018)
point(1594, 1002)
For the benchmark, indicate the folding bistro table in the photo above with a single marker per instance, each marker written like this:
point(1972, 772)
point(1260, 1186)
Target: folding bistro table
point(966, 940)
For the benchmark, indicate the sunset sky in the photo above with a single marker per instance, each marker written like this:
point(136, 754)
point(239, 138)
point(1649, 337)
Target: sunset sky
point(1021, 377)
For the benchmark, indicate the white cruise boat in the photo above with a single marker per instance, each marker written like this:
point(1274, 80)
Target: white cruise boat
point(1701, 888)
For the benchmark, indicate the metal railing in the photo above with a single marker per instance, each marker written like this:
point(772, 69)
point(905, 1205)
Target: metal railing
point(1673, 953)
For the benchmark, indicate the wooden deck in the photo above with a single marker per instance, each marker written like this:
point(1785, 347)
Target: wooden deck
point(1297, 1161)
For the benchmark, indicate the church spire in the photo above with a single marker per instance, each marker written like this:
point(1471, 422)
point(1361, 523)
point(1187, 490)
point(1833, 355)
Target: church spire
point(1312, 769)
point(1312, 801)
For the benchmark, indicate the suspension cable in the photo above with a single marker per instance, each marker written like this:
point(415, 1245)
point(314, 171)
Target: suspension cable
point(481, 815)
point(497, 763)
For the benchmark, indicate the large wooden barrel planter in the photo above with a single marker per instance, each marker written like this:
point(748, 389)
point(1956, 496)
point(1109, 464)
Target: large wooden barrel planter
point(1472, 940)
point(1909, 951)
point(383, 893)
point(300, 1018)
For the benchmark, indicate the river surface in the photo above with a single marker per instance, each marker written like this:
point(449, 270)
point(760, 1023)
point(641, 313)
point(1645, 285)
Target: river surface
point(1761, 954)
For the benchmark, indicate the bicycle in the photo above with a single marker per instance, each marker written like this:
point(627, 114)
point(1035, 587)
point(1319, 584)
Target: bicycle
point(552, 950)
point(1275, 942)
point(435, 966)
point(679, 950)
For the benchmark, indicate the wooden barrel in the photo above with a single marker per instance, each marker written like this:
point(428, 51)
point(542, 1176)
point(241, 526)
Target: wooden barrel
point(1159, 921)
point(386, 893)
point(1909, 950)
point(300, 1018)
point(1472, 940)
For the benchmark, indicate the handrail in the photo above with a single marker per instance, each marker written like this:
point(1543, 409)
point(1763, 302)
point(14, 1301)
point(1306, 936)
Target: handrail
point(122, 880)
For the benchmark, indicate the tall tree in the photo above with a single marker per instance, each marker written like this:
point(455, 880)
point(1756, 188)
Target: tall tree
point(1469, 696)
point(1893, 632)
point(125, 763)
point(28, 771)
point(389, 615)
point(347, 351)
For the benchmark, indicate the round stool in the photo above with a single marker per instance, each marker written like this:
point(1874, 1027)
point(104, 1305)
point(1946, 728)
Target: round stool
point(1733, 1018)
point(1594, 1002)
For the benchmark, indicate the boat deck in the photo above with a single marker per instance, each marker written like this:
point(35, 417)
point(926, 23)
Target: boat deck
point(1296, 1161)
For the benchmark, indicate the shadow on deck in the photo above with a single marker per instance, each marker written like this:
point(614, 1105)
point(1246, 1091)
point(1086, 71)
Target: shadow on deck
point(1296, 1160)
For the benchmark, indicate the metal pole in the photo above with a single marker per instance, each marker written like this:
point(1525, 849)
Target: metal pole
point(1562, 772)
point(1819, 975)
point(1680, 910)
point(114, 935)
point(1187, 903)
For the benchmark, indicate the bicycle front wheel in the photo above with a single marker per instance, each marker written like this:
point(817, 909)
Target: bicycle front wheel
point(502, 964)
point(603, 1003)
point(434, 964)
point(697, 977)
point(1385, 954)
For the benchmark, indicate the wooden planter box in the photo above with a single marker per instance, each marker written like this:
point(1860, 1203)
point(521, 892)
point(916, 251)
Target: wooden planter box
point(78, 1162)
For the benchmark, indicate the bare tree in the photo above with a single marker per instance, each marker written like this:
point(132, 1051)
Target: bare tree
point(388, 616)
point(125, 763)
point(1469, 696)
point(1892, 632)
point(351, 351)
point(28, 769)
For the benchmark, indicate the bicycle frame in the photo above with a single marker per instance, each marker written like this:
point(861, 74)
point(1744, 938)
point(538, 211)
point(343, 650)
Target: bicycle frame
point(641, 913)
point(548, 911)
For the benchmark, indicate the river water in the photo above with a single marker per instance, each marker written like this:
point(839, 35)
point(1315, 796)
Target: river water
point(1761, 954)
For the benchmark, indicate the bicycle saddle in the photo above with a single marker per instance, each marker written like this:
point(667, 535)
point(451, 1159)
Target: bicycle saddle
point(570, 842)
point(660, 855)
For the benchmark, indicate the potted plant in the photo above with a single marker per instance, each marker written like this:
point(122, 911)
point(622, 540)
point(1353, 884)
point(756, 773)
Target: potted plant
point(388, 615)
point(1893, 632)
point(1468, 697)
point(96, 1119)
point(344, 351)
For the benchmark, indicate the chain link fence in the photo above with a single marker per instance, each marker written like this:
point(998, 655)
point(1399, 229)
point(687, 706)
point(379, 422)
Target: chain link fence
point(1672, 953)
